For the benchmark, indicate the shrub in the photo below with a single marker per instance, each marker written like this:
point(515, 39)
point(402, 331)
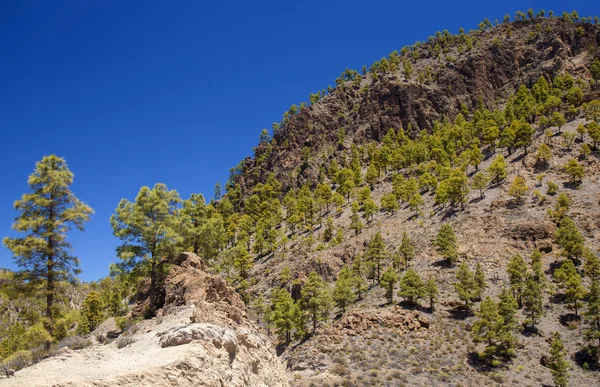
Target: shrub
point(17, 361)
point(125, 341)
point(75, 342)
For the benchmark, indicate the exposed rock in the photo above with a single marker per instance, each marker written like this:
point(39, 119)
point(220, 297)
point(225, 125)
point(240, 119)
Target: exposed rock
point(203, 339)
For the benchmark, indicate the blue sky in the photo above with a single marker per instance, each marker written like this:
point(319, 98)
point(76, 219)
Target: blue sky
point(138, 92)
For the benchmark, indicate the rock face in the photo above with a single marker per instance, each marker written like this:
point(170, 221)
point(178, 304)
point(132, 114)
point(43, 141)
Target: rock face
point(201, 338)
point(367, 110)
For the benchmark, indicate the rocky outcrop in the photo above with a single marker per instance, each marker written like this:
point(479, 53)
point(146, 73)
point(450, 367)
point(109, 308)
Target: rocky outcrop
point(200, 338)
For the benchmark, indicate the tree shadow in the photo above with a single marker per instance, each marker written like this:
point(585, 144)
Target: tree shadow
point(572, 184)
point(476, 200)
point(558, 298)
point(519, 157)
point(479, 365)
point(460, 313)
point(587, 358)
point(568, 319)
point(530, 330)
point(450, 212)
point(442, 263)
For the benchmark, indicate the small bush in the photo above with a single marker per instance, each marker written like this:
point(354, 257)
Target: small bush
point(75, 342)
point(17, 361)
point(125, 341)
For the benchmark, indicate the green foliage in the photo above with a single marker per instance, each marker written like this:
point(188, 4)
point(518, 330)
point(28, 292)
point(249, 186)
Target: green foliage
point(569, 238)
point(518, 189)
point(558, 364)
point(431, 291)
point(389, 279)
point(592, 314)
point(498, 168)
point(532, 300)
point(406, 250)
point(148, 227)
point(490, 328)
point(412, 287)
point(316, 299)
point(342, 292)
point(480, 182)
point(446, 244)
point(46, 215)
point(574, 291)
point(374, 256)
point(466, 286)
point(517, 274)
point(389, 203)
point(574, 170)
point(92, 312)
point(285, 315)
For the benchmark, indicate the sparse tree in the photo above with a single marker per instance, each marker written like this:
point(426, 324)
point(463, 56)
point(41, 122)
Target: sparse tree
point(445, 242)
point(411, 286)
point(388, 282)
point(47, 214)
point(342, 292)
point(558, 364)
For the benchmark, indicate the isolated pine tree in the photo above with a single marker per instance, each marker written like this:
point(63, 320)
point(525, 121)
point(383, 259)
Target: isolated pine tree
point(316, 299)
point(411, 286)
point(47, 214)
point(466, 286)
point(532, 301)
point(446, 243)
point(431, 291)
point(517, 274)
point(342, 292)
point(389, 279)
point(407, 250)
point(558, 365)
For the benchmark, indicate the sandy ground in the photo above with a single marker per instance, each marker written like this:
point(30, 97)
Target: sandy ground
point(101, 363)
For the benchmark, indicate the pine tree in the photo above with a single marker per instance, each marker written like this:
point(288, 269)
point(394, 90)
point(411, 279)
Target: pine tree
point(259, 307)
point(490, 327)
point(285, 313)
point(389, 203)
point(407, 250)
point(574, 291)
point(431, 291)
point(148, 228)
point(558, 364)
point(592, 315)
point(569, 238)
point(591, 266)
point(355, 223)
point(517, 271)
point(358, 282)
point(574, 170)
point(388, 282)
point(242, 262)
point(518, 189)
point(498, 168)
point(342, 292)
point(480, 182)
point(316, 299)
point(374, 256)
point(446, 243)
point(411, 286)
point(532, 301)
point(47, 214)
point(92, 311)
point(507, 308)
point(466, 286)
point(480, 281)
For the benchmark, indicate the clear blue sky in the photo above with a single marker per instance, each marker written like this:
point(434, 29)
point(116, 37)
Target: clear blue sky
point(137, 92)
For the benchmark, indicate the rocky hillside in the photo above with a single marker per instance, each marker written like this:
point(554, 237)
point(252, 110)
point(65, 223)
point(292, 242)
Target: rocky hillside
point(487, 65)
point(436, 87)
